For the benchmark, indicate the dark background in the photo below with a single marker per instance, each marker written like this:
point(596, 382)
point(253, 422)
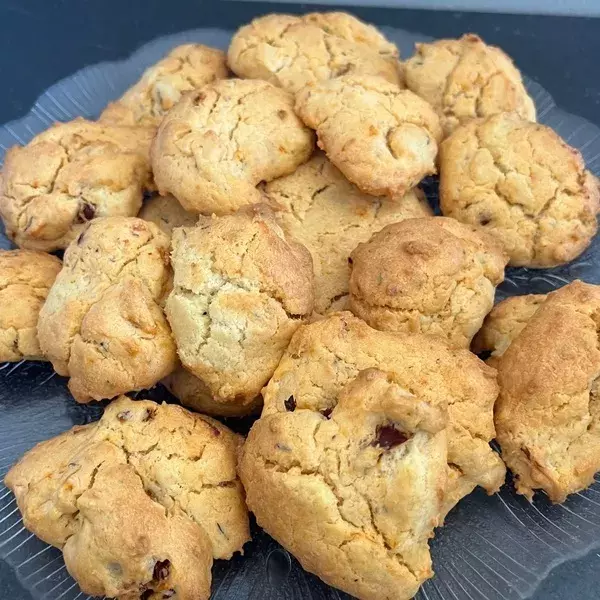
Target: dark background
point(46, 40)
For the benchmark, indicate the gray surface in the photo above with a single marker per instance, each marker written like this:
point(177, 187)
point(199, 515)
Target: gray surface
point(584, 8)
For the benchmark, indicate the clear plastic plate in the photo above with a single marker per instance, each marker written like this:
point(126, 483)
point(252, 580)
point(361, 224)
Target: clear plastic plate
point(490, 549)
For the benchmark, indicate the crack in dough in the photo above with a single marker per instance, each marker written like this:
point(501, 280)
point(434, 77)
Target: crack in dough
point(71, 174)
point(172, 475)
point(102, 324)
point(524, 185)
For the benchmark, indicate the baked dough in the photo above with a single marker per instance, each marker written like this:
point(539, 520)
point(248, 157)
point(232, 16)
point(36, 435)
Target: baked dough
point(139, 502)
point(166, 213)
point(68, 175)
point(102, 324)
point(432, 275)
point(523, 184)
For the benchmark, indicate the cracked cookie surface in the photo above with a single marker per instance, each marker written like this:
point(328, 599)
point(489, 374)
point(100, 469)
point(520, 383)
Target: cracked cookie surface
point(218, 143)
point(432, 275)
point(193, 393)
point(25, 278)
point(185, 68)
point(504, 323)
point(353, 494)
point(170, 474)
point(523, 184)
point(548, 410)
point(71, 174)
point(102, 324)
point(321, 209)
point(382, 138)
point(464, 79)
point(166, 213)
point(324, 356)
point(240, 291)
point(294, 51)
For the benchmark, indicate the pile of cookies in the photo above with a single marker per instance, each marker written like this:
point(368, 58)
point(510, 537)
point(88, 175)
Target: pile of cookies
point(209, 245)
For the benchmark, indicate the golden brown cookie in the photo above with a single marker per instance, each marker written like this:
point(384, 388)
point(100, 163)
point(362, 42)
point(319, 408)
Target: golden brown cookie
point(25, 278)
point(71, 174)
point(504, 323)
point(382, 138)
point(523, 184)
point(548, 410)
point(326, 355)
point(102, 324)
point(139, 502)
point(193, 393)
point(465, 78)
point(240, 291)
point(354, 493)
point(219, 142)
point(294, 51)
point(321, 209)
point(166, 213)
point(432, 275)
point(185, 68)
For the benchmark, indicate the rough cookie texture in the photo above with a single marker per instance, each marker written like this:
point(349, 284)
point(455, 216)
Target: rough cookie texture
point(102, 324)
point(523, 184)
point(184, 69)
point(355, 493)
point(219, 142)
point(71, 174)
point(166, 213)
point(25, 278)
point(548, 410)
point(193, 393)
point(321, 209)
point(240, 291)
point(139, 502)
point(504, 323)
point(294, 51)
point(432, 275)
point(324, 356)
point(382, 138)
point(465, 78)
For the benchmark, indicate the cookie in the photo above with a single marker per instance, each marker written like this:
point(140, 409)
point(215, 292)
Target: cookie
point(321, 209)
point(166, 213)
point(139, 502)
point(240, 291)
point(465, 78)
point(523, 184)
point(294, 51)
point(71, 174)
point(326, 355)
point(382, 138)
point(219, 142)
point(25, 278)
point(432, 275)
point(504, 323)
point(102, 324)
point(354, 493)
point(548, 409)
point(184, 69)
point(193, 393)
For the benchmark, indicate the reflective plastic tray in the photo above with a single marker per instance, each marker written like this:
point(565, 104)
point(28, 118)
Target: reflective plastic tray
point(490, 549)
